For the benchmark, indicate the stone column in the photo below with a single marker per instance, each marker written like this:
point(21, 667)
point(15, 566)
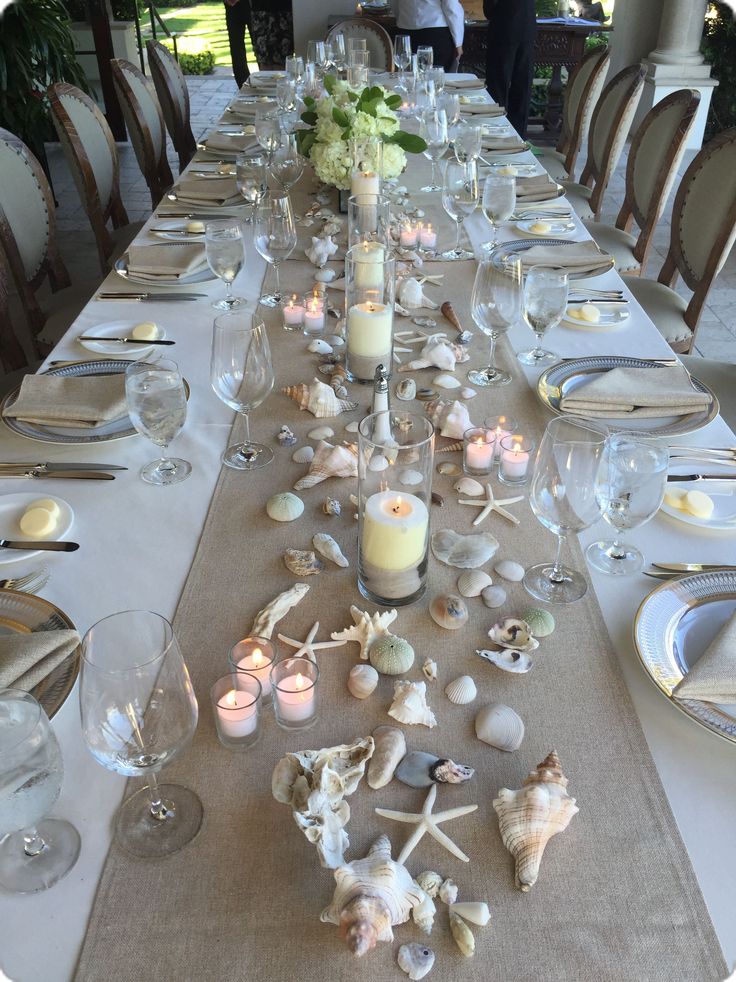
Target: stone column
point(680, 32)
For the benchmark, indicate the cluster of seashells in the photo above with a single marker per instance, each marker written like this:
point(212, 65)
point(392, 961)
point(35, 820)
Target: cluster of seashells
point(516, 637)
point(474, 911)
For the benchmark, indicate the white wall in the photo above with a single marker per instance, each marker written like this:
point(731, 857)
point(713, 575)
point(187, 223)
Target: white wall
point(310, 19)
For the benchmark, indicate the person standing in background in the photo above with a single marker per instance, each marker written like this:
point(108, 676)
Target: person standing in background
point(273, 33)
point(237, 18)
point(437, 23)
point(512, 26)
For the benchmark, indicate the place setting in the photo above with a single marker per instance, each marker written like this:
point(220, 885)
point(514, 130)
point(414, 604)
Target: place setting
point(135, 338)
point(167, 263)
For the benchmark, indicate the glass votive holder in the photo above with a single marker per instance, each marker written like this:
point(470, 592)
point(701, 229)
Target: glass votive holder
point(315, 308)
point(409, 235)
point(294, 692)
point(369, 220)
point(427, 238)
point(293, 313)
point(357, 76)
point(478, 450)
point(502, 426)
point(255, 656)
point(236, 706)
point(514, 462)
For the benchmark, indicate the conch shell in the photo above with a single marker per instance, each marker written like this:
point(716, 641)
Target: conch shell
point(321, 250)
point(330, 461)
point(319, 399)
point(410, 704)
point(438, 352)
point(529, 817)
point(412, 296)
point(372, 895)
point(366, 629)
point(451, 419)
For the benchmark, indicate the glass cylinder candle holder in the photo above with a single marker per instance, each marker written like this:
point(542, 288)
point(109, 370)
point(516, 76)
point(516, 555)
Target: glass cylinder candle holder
point(255, 656)
point(502, 426)
point(315, 309)
point(357, 77)
point(294, 687)
point(478, 450)
point(409, 235)
point(515, 459)
point(395, 458)
point(366, 154)
point(369, 219)
point(293, 310)
point(428, 238)
point(369, 311)
point(236, 705)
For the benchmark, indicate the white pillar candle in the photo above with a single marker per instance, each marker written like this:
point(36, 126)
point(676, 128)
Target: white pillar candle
point(479, 454)
point(295, 695)
point(368, 270)
point(394, 534)
point(259, 665)
point(237, 713)
point(365, 182)
point(514, 460)
point(369, 329)
point(293, 313)
point(428, 237)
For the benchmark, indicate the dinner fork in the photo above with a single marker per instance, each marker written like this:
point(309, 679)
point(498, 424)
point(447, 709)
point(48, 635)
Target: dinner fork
point(30, 583)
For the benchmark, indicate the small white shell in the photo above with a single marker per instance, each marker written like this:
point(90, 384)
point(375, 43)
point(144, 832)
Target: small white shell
point(514, 633)
point(500, 726)
point(469, 486)
point(508, 659)
point(509, 570)
point(321, 433)
point(377, 463)
point(448, 892)
point(416, 960)
point(320, 250)
point(493, 596)
point(475, 911)
point(406, 389)
point(461, 690)
point(445, 381)
point(410, 477)
point(463, 935)
point(303, 455)
point(319, 347)
point(362, 680)
point(325, 275)
point(467, 393)
point(353, 426)
point(472, 582)
point(335, 341)
point(430, 882)
point(284, 507)
point(429, 669)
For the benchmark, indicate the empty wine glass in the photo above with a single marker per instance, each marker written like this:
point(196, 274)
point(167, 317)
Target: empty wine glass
point(499, 201)
point(437, 75)
point(425, 57)
point(329, 63)
point(433, 130)
point(451, 104)
point(268, 128)
point(241, 374)
point(225, 251)
point(495, 306)
point(402, 54)
point(468, 140)
point(139, 711)
point(287, 164)
point(251, 179)
point(339, 53)
point(157, 403)
point(35, 851)
point(459, 199)
point(286, 94)
point(563, 496)
point(294, 66)
point(274, 236)
point(545, 301)
point(632, 483)
point(316, 54)
point(424, 94)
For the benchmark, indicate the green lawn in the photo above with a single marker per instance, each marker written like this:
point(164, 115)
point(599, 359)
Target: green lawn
point(198, 28)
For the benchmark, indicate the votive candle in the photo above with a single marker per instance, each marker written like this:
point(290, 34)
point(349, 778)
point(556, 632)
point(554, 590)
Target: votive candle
point(293, 313)
point(294, 687)
point(478, 450)
point(513, 464)
point(255, 656)
point(314, 313)
point(501, 426)
point(428, 237)
point(408, 236)
point(236, 701)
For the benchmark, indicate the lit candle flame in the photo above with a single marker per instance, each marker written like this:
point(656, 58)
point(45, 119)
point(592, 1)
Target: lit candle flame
point(479, 441)
point(396, 507)
point(299, 683)
point(231, 699)
point(257, 657)
point(517, 448)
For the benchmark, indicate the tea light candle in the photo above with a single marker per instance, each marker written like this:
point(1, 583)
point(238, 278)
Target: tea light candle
point(514, 460)
point(365, 182)
point(237, 714)
point(294, 312)
point(296, 698)
point(478, 450)
point(408, 237)
point(369, 258)
point(369, 329)
point(254, 656)
point(314, 314)
point(294, 687)
point(502, 426)
point(394, 531)
point(428, 237)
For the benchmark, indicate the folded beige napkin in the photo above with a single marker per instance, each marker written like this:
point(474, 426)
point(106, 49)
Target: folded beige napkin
point(265, 79)
point(538, 187)
point(509, 144)
point(637, 393)
point(713, 677)
point(26, 659)
point(481, 109)
point(465, 83)
point(74, 402)
point(221, 143)
point(211, 190)
point(170, 261)
point(577, 257)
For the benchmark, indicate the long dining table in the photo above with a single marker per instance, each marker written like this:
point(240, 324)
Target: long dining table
point(137, 547)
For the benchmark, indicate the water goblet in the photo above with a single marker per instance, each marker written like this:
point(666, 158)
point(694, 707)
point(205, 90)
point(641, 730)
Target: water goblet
point(433, 130)
point(545, 302)
point(139, 711)
point(459, 199)
point(241, 374)
point(451, 104)
point(35, 851)
point(425, 57)
point(157, 403)
point(268, 128)
point(225, 251)
point(286, 94)
point(251, 180)
point(499, 201)
point(495, 306)
point(424, 95)
point(294, 66)
point(468, 139)
point(339, 53)
point(287, 165)
point(316, 54)
point(274, 236)
point(437, 75)
point(402, 54)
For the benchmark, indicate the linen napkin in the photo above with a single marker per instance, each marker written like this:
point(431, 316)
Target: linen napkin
point(508, 144)
point(74, 402)
point(713, 677)
point(222, 143)
point(209, 190)
point(465, 83)
point(170, 261)
point(537, 187)
point(637, 393)
point(26, 659)
point(481, 109)
point(576, 257)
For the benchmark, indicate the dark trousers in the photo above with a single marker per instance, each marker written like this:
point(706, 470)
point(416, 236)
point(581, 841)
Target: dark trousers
point(439, 39)
point(509, 74)
point(237, 19)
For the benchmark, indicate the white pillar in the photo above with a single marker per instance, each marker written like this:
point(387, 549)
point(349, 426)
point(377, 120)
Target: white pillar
point(680, 33)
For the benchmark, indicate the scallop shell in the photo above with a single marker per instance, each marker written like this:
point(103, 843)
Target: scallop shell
point(463, 551)
point(410, 478)
point(461, 690)
point(469, 486)
point(302, 563)
point(331, 506)
point(500, 726)
point(448, 891)
point(321, 433)
point(539, 620)
point(473, 582)
point(430, 882)
point(462, 935)
point(415, 959)
point(410, 704)
point(406, 389)
point(352, 427)
point(493, 596)
point(429, 669)
point(391, 655)
point(390, 748)
point(284, 507)
point(445, 381)
point(303, 455)
point(362, 680)
point(475, 911)
point(327, 547)
point(513, 633)
point(330, 461)
point(449, 611)
point(318, 346)
point(319, 399)
point(516, 662)
point(509, 570)
point(321, 250)
point(448, 470)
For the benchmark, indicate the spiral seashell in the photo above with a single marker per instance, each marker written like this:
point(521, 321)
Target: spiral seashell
point(461, 690)
point(284, 507)
point(449, 611)
point(451, 419)
point(410, 704)
point(328, 462)
point(429, 669)
point(448, 891)
point(331, 506)
point(472, 582)
point(391, 655)
point(302, 563)
point(500, 726)
point(430, 882)
point(362, 680)
point(327, 547)
point(449, 312)
point(321, 250)
point(453, 447)
point(462, 935)
point(319, 399)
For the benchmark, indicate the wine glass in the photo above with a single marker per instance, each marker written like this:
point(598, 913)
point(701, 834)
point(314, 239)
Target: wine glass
point(459, 199)
point(287, 165)
point(433, 130)
point(35, 852)
point(339, 54)
point(545, 301)
point(402, 55)
point(139, 711)
point(225, 251)
point(499, 201)
point(286, 94)
point(316, 54)
point(157, 403)
point(294, 66)
point(631, 488)
point(241, 374)
point(450, 102)
point(495, 306)
point(437, 75)
point(563, 496)
point(274, 236)
point(424, 95)
point(468, 140)
point(425, 57)
point(251, 180)
point(268, 128)
point(329, 63)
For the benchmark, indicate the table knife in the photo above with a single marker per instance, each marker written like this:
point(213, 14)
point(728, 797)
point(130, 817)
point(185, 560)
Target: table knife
point(150, 297)
point(61, 465)
point(192, 215)
point(700, 477)
point(32, 473)
point(86, 337)
point(691, 567)
point(48, 546)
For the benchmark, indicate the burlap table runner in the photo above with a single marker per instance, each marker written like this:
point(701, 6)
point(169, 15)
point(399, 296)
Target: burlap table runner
point(616, 899)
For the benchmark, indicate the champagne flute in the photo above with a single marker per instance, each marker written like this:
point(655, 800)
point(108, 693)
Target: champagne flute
point(287, 165)
point(157, 403)
point(433, 130)
point(459, 199)
point(274, 236)
point(495, 306)
point(35, 852)
point(563, 496)
point(545, 302)
point(402, 55)
point(251, 180)
point(139, 711)
point(632, 483)
point(225, 251)
point(425, 57)
point(499, 201)
point(468, 140)
point(241, 375)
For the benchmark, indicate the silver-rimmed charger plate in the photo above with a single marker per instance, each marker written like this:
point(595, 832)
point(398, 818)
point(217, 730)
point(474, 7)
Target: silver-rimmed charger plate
point(673, 627)
point(202, 276)
point(565, 377)
point(505, 249)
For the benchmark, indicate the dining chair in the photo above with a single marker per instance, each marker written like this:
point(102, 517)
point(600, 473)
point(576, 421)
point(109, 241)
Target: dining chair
point(609, 127)
point(703, 232)
point(92, 157)
point(583, 90)
point(173, 96)
point(720, 377)
point(14, 357)
point(654, 157)
point(145, 123)
point(377, 38)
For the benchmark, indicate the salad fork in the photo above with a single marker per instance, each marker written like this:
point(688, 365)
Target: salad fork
point(30, 583)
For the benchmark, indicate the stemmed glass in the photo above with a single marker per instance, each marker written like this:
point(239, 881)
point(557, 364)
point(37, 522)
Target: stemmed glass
point(499, 201)
point(316, 54)
point(495, 306)
point(35, 852)
point(286, 94)
point(402, 55)
point(139, 711)
point(157, 403)
point(564, 497)
point(459, 199)
point(268, 128)
point(295, 68)
point(241, 374)
point(437, 75)
point(545, 301)
point(274, 236)
point(339, 55)
point(468, 140)
point(425, 58)
point(251, 180)
point(451, 104)
point(433, 130)
point(287, 165)
point(632, 483)
point(225, 251)
point(424, 95)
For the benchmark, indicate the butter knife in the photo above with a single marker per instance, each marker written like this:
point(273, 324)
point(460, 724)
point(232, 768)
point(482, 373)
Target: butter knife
point(691, 567)
point(86, 337)
point(48, 546)
point(61, 465)
point(700, 477)
point(32, 473)
point(150, 297)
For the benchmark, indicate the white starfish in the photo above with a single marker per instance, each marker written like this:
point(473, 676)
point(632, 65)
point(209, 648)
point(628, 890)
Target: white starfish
point(307, 647)
point(489, 504)
point(425, 821)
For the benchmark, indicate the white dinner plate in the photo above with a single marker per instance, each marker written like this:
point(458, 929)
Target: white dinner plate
point(612, 316)
point(559, 227)
point(117, 329)
point(12, 507)
point(522, 170)
point(176, 230)
point(723, 494)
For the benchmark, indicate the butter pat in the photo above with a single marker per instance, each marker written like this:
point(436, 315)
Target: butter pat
point(589, 312)
point(508, 171)
point(675, 498)
point(145, 331)
point(49, 505)
point(195, 227)
point(37, 523)
point(699, 504)
point(541, 228)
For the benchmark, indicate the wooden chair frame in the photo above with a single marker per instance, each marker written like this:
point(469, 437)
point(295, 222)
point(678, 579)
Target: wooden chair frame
point(571, 141)
point(372, 28)
point(177, 121)
point(12, 355)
